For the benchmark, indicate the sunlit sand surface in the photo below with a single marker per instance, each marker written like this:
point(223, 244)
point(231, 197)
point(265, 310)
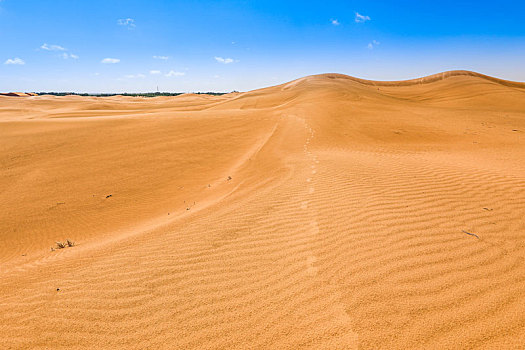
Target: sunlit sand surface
point(325, 213)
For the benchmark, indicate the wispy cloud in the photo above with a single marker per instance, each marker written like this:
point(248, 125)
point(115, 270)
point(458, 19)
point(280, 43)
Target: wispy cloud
point(133, 76)
point(154, 72)
point(335, 22)
point(359, 18)
point(161, 57)
point(172, 73)
point(373, 44)
point(127, 22)
point(110, 60)
point(66, 56)
point(52, 47)
point(225, 60)
point(15, 60)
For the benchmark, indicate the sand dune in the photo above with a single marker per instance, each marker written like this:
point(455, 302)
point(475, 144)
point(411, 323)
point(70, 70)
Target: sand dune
point(18, 94)
point(327, 213)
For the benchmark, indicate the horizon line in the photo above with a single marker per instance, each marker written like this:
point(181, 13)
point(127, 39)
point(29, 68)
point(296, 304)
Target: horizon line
point(411, 81)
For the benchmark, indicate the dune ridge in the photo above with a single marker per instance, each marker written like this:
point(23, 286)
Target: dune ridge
point(329, 212)
point(427, 79)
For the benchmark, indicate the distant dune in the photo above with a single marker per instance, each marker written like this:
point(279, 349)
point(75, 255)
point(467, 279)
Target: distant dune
point(18, 94)
point(329, 212)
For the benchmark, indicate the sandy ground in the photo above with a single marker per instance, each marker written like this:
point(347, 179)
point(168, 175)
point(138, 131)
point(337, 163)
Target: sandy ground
point(325, 213)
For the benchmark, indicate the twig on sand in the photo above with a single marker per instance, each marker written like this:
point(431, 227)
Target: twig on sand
point(472, 234)
point(188, 208)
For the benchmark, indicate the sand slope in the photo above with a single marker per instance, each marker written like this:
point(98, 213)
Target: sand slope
point(326, 213)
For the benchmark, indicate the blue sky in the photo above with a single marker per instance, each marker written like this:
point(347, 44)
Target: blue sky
point(132, 45)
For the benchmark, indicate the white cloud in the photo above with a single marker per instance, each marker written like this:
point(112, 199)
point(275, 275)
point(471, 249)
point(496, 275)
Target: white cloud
point(335, 22)
point(225, 60)
point(66, 56)
point(15, 60)
point(361, 18)
point(133, 76)
point(172, 73)
point(110, 60)
point(127, 22)
point(154, 72)
point(373, 44)
point(52, 47)
point(161, 57)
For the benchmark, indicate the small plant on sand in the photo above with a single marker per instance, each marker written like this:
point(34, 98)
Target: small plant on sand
point(62, 245)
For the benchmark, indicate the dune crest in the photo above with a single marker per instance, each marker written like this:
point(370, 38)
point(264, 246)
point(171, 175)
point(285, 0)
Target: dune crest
point(423, 80)
point(329, 212)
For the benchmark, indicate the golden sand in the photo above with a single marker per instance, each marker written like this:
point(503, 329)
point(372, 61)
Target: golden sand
point(326, 213)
